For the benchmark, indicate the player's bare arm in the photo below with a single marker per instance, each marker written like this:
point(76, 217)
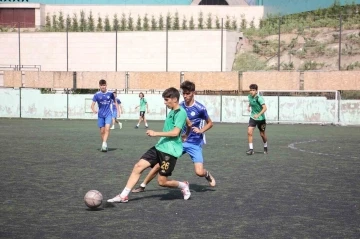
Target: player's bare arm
point(264, 108)
point(209, 125)
point(173, 133)
point(93, 107)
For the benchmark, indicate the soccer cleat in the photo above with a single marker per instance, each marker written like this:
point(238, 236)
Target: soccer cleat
point(211, 180)
point(136, 127)
point(146, 126)
point(138, 189)
point(112, 127)
point(186, 191)
point(120, 125)
point(265, 150)
point(118, 198)
point(250, 152)
point(104, 148)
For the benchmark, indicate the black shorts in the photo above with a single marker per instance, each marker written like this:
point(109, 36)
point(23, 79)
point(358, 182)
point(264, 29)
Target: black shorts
point(261, 124)
point(167, 162)
point(142, 113)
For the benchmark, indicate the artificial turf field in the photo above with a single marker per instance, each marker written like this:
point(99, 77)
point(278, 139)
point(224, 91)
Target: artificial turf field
point(308, 186)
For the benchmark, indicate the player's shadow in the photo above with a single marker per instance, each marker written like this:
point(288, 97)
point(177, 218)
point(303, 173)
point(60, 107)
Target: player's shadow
point(94, 209)
point(109, 149)
point(201, 188)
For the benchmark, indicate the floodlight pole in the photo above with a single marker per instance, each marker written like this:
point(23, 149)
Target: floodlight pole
point(279, 43)
point(222, 40)
point(340, 33)
point(116, 48)
point(67, 46)
point(19, 46)
point(167, 46)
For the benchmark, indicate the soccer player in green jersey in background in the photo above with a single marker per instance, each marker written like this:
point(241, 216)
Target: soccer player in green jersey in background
point(143, 106)
point(165, 152)
point(257, 118)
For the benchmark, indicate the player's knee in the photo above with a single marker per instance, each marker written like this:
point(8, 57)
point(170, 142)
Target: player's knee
point(138, 167)
point(250, 132)
point(199, 172)
point(162, 181)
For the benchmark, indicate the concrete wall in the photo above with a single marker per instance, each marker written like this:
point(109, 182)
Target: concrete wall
point(232, 109)
point(215, 81)
point(136, 51)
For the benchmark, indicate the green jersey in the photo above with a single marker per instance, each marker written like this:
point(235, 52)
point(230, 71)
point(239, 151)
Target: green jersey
point(143, 103)
point(256, 106)
point(173, 145)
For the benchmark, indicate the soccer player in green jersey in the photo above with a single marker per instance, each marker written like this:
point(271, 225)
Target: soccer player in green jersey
point(257, 118)
point(165, 152)
point(143, 106)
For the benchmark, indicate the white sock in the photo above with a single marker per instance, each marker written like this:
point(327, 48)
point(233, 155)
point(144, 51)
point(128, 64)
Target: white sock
point(104, 144)
point(137, 125)
point(146, 125)
point(125, 192)
point(182, 185)
point(265, 144)
point(251, 146)
point(143, 185)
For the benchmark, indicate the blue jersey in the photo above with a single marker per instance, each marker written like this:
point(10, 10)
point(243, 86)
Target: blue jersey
point(114, 105)
point(105, 102)
point(197, 114)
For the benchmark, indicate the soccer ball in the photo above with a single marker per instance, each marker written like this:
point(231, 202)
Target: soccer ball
point(93, 199)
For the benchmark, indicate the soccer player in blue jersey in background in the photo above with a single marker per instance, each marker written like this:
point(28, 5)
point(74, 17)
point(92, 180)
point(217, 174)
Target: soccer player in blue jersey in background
point(117, 111)
point(105, 100)
point(197, 114)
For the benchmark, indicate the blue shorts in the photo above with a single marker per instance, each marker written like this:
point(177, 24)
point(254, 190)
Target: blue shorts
point(102, 121)
point(195, 152)
point(114, 114)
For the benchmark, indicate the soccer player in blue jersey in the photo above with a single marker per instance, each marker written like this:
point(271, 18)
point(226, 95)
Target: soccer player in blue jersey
point(257, 108)
point(197, 114)
point(105, 100)
point(116, 111)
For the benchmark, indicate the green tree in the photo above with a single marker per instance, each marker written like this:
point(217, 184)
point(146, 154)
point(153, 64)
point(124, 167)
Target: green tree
point(75, 24)
point(115, 23)
point(227, 22)
point(191, 23)
point(107, 24)
point(68, 23)
point(243, 22)
point(123, 22)
point(55, 23)
point(234, 24)
point(47, 23)
point(209, 21)
point(91, 22)
point(176, 25)
point(168, 21)
point(217, 23)
point(130, 23)
point(83, 23)
point(99, 26)
point(138, 23)
point(184, 23)
point(153, 23)
point(201, 21)
point(161, 22)
point(146, 25)
point(61, 22)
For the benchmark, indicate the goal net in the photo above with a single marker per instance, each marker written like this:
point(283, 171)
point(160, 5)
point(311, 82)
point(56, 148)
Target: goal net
point(303, 107)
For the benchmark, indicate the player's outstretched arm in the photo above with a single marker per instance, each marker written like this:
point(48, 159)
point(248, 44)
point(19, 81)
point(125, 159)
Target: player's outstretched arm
point(173, 133)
